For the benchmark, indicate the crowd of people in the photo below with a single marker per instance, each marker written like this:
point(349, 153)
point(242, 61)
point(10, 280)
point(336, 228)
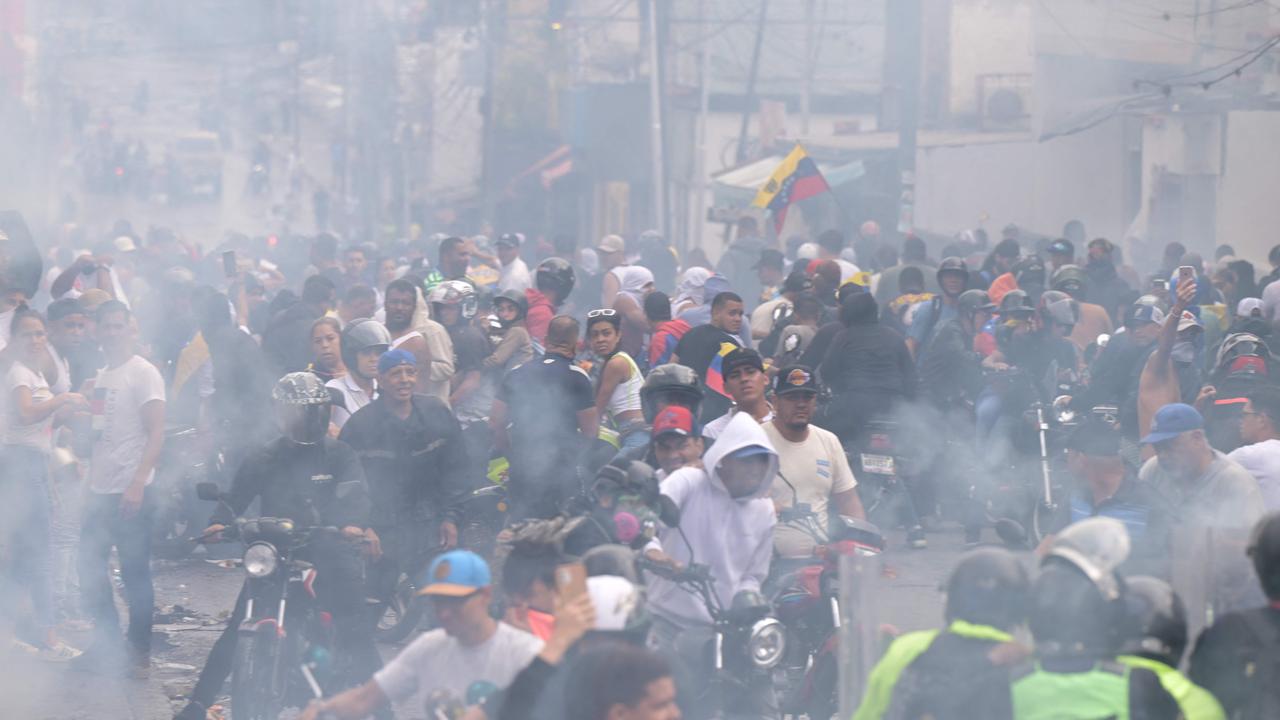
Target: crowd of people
point(426, 370)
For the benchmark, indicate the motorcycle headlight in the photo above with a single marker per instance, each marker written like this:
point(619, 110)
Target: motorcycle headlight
point(260, 560)
point(1062, 411)
point(767, 643)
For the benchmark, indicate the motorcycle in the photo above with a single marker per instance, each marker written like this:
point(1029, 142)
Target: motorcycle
point(484, 511)
point(178, 512)
point(883, 490)
point(745, 644)
point(807, 600)
point(285, 645)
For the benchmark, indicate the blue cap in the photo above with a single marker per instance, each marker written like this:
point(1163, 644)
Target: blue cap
point(1141, 314)
point(457, 573)
point(749, 451)
point(1172, 420)
point(396, 358)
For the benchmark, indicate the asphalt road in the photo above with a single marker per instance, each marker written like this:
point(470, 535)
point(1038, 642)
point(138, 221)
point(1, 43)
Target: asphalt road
point(907, 598)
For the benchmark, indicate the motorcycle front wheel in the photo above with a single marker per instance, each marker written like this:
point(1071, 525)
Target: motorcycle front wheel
point(400, 614)
point(257, 677)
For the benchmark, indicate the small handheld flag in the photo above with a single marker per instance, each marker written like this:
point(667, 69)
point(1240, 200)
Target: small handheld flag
point(796, 179)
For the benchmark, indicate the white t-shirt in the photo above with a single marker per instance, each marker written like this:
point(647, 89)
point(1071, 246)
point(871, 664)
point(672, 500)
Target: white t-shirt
point(1262, 460)
point(1271, 303)
point(817, 469)
point(712, 430)
point(35, 435)
point(436, 661)
point(119, 435)
point(515, 276)
point(353, 396)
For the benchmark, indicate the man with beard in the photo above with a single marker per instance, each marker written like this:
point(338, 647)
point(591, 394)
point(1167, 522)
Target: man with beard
point(430, 346)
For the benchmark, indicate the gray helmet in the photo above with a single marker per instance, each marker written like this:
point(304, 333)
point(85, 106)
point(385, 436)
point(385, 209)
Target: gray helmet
point(555, 274)
point(1069, 279)
point(1059, 307)
point(952, 265)
point(972, 301)
point(1016, 302)
point(1078, 599)
point(1096, 546)
point(302, 407)
point(456, 292)
point(366, 334)
point(667, 385)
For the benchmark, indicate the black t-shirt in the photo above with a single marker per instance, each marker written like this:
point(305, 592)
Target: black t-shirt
point(543, 398)
point(470, 347)
point(700, 346)
point(1234, 655)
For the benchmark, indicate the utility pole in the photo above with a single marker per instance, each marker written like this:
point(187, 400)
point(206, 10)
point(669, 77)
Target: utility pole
point(903, 47)
point(656, 145)
point(810, 65)
point(750, 100)
point(700, 161)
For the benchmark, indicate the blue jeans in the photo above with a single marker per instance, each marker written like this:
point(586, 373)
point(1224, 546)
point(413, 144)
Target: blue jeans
point(101, 529)
point(24, 504)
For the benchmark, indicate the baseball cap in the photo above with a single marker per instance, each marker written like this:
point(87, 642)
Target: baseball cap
point(611, 244)
point(795, 378)
point(1143, 314)
point(770, 258)
point(1249, 307)
point(673, 420)
point(124, 244)
point(457, 573)
point(797, 281)
point(749, 451)
point(92, 298)
point(1095, 438)
point(1061, 246)
point(508, 240)
point(63, 307)
point(1188, 320)
point(1172, 420)
point(395, 358)
point(740, 358)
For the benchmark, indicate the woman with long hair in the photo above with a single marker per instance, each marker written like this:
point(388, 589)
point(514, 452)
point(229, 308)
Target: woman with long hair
point(326, 349)
point(618, 381)
point(27, 442)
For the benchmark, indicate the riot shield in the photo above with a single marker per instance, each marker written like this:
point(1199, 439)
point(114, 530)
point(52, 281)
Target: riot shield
point(859, 632)
point(1212, 574)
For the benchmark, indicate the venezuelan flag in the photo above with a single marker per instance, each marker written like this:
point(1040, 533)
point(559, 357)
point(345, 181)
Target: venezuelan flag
point(715, 371)
point(796, 179)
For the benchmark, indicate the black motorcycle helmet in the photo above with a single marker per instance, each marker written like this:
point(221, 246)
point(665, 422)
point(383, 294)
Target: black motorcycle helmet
point(555, 274)
point(1030, 274)
point(515, 297)
point(1155, 619)
point(670, 384)
point(1077, 600)
point(1017, 304)
point(1264, 550)
point(952, 265)
point(973, 301)
point(302, 406)
point(988, 587)
point(366, 334)
point(1069, 279)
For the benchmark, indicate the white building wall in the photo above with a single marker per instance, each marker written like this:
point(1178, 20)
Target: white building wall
point(1248, 215)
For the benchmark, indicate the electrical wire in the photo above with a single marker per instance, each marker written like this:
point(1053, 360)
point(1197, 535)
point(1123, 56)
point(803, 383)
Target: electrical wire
point(1249, 58)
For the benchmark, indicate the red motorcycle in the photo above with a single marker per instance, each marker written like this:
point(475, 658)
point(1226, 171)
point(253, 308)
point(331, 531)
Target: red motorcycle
point(806, 598)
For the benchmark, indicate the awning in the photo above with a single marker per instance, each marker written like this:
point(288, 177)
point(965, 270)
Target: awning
point(737, 187)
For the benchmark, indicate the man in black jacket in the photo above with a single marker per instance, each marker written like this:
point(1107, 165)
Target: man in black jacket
point(412, 452)
point(867, 367)
point(950, 369)
point(314, 481)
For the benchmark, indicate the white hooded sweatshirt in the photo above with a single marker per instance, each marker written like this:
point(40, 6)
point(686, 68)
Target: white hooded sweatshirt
point(734, 537)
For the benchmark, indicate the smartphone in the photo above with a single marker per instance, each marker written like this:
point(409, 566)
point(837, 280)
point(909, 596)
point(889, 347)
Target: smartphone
point(571, 580)
point(1186, 272)
point(229, 263)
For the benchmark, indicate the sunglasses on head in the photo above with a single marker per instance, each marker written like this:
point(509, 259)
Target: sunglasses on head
point(602, 312)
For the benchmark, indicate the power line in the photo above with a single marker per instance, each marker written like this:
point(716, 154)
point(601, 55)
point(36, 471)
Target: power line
point(1249, 58)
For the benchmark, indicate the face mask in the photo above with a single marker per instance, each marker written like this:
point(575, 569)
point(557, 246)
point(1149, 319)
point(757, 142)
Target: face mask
point(1184, 352)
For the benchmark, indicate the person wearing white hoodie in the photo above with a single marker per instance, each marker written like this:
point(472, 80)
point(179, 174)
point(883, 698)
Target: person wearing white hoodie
point(728, 519)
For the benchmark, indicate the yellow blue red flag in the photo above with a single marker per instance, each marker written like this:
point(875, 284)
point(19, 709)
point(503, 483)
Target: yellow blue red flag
point(796, 179)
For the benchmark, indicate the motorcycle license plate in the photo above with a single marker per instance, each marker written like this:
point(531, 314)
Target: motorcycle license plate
point(878, 464)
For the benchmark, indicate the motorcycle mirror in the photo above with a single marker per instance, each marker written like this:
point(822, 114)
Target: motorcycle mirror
point(668, 511)
point(208, 491)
